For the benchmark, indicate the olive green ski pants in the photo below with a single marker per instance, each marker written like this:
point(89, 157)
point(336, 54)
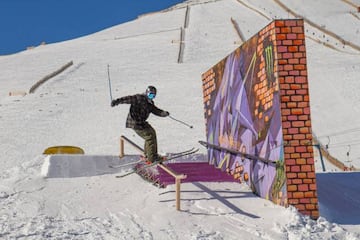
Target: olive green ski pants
point(150, 146)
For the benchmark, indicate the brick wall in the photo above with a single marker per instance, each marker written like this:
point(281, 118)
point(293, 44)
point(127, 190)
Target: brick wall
point(295, 113)
point(278, 97)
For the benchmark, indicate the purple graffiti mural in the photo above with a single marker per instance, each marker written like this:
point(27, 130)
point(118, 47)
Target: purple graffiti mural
point(242, 111)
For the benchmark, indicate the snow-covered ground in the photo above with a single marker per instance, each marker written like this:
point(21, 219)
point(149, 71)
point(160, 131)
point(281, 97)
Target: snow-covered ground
point(74, 109)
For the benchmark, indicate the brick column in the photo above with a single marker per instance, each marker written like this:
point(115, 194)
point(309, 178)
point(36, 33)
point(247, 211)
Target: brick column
point(295, 113)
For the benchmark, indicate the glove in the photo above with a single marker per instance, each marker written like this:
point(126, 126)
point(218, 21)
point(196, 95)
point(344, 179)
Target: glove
point(165, 114)
point(115, 102)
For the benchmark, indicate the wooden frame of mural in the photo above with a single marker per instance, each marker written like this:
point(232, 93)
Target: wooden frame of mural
point(256, 101)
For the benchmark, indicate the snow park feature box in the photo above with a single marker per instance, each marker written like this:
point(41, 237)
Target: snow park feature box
point(256, 101)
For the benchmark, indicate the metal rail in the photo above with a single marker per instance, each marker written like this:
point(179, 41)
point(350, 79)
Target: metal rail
point(178, 177)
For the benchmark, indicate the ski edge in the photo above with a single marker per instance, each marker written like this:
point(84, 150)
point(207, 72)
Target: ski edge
point(139, 161)
point(159, 162)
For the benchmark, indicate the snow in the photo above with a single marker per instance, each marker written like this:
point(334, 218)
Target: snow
point(82, 199)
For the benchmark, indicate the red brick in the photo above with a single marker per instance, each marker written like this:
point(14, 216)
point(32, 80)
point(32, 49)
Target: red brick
point(291, 175)
point(293, 49)
point(299, 137)
point(297, 111)
point(285, 98)
point(302, 175)
point(281, 49)
point(290, 162)
point(304, 200)
point(314, 215)
point(303, 187)
point(284, 119)
point(292, 188)
point(285, 112)
point(279, 23)
point(298, 195)
point(297, 30)
point(289, 149)
point(294, 73)
point(300, 67)
point(293, 201)
point(300, 207)
point(303, 73)
point(289, 79)
point(285, 30)
point(304, 117)
point(288, 55)
point(302, 149)
point(291, 105)
point(297, 98)
point(310, 206)
point(294, 143)
point(288, 67)
point(293, 130)
point(308, 181)
point(301, 161)
point(298, 42)
point(306, 168)
point(295, 168)
point(294, 61)
point(291, 36)
point(295, 86)
point(309, 195)
point(282, 61)
point(280, 36)
point(311, 175)
point(300, 22)
point(310, 161)
point(298, 55)
point(290, 23)
point(283, 73)
point(287, 42)
point(303, 104)
point(297, 181)
point(290, 92)
point(286, 124)
point(304, 130)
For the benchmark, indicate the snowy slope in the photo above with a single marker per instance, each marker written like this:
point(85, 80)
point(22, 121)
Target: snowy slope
point(74, 109)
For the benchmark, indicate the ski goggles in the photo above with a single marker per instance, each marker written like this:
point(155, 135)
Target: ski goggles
point(151, 95)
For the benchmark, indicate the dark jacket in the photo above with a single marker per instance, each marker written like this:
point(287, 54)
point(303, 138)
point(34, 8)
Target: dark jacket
point(140, 109)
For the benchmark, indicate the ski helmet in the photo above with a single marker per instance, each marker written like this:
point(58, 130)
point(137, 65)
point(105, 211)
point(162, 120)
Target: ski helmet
point(151, 92)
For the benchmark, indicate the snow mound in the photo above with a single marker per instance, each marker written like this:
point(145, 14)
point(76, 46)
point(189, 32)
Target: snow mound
point(70, 166)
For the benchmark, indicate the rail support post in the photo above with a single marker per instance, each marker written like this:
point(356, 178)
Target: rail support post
point(178, 183)
point(122, 148)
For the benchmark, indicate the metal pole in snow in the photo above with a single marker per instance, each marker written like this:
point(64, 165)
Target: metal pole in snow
point(108, 70)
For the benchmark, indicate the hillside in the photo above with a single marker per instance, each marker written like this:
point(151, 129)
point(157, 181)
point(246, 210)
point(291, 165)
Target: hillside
point(73, 108)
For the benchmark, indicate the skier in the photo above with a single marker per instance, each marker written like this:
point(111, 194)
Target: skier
point(141, 107)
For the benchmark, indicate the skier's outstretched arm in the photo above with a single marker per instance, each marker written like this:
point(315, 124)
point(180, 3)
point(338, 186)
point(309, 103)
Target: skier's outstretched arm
point(159, 112)
point(126, 100)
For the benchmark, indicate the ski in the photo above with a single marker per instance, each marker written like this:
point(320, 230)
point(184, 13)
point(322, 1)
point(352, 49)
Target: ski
point(125, 164)
point(179, 153)
point(185, 153)
point(141, 160)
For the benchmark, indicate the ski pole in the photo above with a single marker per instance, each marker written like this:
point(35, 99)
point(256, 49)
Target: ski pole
point(111, 98)
point(184, 123)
